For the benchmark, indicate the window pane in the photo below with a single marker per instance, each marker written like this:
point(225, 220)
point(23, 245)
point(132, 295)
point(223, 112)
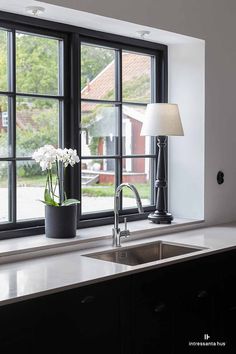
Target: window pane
point(136, 77)
point(4, 150)
point(138, 172)
point(99, 129)
point(97, 72)
point(4, 178)
point(3, 61)
point(133, 142)
point(36, 124)
point(30, 190)
point(98, 185)
point(37, 64)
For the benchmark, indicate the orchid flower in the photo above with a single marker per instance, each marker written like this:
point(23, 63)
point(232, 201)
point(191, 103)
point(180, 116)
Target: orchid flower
point(48, 156)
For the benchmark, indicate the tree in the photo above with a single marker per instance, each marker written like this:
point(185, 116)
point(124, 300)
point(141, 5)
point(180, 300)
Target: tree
point(3, 60)
point(37, 72)
point(37, 64)
point(93, 60)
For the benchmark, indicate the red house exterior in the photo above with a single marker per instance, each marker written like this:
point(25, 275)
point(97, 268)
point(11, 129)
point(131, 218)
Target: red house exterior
point(99, 88)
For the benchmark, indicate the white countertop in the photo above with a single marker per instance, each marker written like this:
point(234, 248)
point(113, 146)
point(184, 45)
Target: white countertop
point(44, 275)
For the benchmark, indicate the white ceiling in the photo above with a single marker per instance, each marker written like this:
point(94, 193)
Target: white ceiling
point(92, 21)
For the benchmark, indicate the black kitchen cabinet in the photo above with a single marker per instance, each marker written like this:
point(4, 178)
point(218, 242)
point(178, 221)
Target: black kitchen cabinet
point(102, 324)
point(191, 302)
point(225, 299)
point(17, 326)
point(172, 307)
point(159, 311)
point(152, 312)
point(194, 304)
point(84, 320)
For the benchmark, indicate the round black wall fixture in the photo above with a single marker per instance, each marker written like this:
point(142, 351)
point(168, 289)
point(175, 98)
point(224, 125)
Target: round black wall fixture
point(220, 177)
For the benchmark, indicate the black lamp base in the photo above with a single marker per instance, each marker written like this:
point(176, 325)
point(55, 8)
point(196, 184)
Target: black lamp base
point(160, 215)
point(160, 218)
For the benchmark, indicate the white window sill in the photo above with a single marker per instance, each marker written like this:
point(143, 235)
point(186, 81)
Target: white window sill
point(36, 246)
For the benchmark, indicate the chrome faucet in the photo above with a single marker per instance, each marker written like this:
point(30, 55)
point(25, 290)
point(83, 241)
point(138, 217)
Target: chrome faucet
point(117, 233)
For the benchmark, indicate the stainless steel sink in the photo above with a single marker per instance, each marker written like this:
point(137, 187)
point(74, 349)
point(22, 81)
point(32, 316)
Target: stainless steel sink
point(144, 253)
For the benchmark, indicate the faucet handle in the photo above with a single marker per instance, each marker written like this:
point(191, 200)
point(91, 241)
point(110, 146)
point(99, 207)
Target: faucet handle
point(125, 222)
point(125, 232)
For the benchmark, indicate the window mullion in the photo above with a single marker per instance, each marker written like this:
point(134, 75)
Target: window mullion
point(61, 92)
point(73, 63)
point(61, 124)
point(12, 124)
point(155, 92)
point(119, 98)
point(61, 143)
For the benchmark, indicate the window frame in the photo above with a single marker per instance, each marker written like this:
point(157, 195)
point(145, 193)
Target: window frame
point(156, 95)
point(72, 37)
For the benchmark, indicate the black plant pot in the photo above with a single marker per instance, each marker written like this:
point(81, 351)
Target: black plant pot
point(60, 222)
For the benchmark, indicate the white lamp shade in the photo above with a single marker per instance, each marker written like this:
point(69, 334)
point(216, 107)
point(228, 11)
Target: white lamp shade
point(162, 119)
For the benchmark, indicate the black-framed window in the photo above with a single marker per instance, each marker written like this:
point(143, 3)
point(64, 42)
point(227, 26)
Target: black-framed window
point(53, 91)
point(31, 115)
point(120, 82)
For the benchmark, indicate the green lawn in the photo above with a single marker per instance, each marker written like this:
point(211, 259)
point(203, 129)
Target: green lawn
point(108, 191)
point(35, 181)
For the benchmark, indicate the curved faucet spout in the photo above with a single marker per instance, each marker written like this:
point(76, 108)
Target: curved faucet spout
point(117, 233)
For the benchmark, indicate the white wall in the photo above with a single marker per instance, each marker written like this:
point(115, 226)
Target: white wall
point(186, 154)
point(214, 21)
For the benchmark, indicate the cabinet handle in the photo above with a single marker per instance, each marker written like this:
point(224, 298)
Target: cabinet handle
point(159, 308)
point(87, 299)
point(202, 294)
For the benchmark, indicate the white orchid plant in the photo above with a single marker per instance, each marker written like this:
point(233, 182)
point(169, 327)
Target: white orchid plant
point(49, 157)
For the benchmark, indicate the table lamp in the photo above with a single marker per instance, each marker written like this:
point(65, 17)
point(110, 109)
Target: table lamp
point(161, 120)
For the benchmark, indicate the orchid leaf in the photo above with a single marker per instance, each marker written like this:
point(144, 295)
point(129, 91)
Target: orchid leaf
point(48, 199)
point(42, 201)
point(70, 202)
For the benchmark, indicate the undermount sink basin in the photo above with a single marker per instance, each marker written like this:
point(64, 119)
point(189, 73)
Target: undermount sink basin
point(146, 253)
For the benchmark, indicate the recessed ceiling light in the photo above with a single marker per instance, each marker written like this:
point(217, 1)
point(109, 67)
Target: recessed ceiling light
point(142, 34)
point(35, 10)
